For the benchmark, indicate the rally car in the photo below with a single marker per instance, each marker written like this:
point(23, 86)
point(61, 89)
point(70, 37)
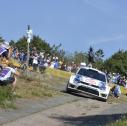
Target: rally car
point(89, 81)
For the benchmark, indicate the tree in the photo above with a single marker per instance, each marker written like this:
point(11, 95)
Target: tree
point(21, 44)
point(117, 62)
point(55, 49)
point(99, 54)
point(80, 57)
point(1, 40)
point(68, 58)
point(41, 45)
point(99, 63)
point(12, 43)
point(61, 54)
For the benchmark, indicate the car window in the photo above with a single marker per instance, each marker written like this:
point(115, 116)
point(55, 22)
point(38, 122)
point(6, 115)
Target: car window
point(92, 74)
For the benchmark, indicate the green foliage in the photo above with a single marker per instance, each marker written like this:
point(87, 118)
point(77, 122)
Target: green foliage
point(117, 62)
point(80, 57)
point(21, 44)
point(68, 58)
point(6, 97)
point(1, 40)
point(12, 43)
point(99, 65)
point(120, 122)
point(77, 58)
point(99, 54)
point(37, 42)
point(57, 51)
point(41, 45)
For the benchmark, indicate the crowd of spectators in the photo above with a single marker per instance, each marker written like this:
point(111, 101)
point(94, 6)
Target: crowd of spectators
point(118, 79)
point(40, 60)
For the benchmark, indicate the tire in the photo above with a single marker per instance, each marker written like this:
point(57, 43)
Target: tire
point(104, 100)
point(67, 89)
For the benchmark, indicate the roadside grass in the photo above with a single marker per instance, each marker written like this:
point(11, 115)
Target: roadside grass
point(120, 122)
point(6, 97)
point(36, 85)
point(123, 90)
point(58, 73)
point(34, 89)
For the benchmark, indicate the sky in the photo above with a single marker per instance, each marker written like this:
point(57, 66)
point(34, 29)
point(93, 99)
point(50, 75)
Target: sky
point(76, 24)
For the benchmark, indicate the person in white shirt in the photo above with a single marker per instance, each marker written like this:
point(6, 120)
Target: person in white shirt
point(8, 76)
point(35, 62)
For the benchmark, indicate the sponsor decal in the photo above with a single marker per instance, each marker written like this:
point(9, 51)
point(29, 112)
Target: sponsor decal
point(90, 81)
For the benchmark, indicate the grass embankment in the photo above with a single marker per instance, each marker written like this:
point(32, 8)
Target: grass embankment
point(35, 85)
point(6, 97)
point(41, 85)
point(59, 73)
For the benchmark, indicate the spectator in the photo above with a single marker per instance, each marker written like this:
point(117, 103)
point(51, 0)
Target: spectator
point(7, 47)
point(21, 57)
point(56, 64)
point(8, 76)
point(117, 91)
point(41, 64)
point(35, 62)
point(31, 60)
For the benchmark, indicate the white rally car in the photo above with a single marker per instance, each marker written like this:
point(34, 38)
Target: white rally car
point(89, 81)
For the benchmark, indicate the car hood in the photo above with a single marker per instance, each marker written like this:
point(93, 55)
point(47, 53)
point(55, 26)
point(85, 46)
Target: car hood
point(88, 80)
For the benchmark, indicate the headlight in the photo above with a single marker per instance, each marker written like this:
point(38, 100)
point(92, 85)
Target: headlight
point(102, 86)
point(77, 79)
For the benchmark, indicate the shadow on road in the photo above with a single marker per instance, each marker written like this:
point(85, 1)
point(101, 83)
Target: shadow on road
point(96, 120)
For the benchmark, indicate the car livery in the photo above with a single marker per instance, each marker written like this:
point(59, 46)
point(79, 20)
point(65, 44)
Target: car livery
point(89, 81)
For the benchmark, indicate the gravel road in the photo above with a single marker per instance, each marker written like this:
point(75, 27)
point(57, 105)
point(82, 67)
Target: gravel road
point(79, 112)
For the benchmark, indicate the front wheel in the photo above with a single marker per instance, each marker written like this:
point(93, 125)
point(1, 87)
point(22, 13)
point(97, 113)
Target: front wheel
point(67, 89)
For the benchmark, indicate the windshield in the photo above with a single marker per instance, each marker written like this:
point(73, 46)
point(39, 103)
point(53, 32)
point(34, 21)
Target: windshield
point(92, 74)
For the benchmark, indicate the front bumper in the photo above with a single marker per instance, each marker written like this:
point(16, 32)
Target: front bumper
point(88, 90)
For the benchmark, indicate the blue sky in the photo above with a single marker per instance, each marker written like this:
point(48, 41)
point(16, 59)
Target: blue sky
point(76, 24)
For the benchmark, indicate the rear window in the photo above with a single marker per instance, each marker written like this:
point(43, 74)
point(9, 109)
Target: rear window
point(92, 74)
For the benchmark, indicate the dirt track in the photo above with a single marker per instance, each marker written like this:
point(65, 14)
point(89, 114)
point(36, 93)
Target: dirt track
point(74, 113)
point(69, 110)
